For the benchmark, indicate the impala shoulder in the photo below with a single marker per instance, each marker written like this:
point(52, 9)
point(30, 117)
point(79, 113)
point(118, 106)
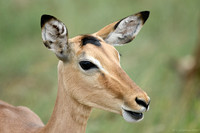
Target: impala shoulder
point(30, 115)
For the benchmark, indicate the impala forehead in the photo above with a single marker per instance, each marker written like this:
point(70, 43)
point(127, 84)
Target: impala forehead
point(95, 47)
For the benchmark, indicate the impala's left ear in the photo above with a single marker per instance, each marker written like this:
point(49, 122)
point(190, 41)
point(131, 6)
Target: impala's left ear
point(124, 30)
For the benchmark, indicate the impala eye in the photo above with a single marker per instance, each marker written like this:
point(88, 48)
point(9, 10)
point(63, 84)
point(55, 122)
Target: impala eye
point(86, 65)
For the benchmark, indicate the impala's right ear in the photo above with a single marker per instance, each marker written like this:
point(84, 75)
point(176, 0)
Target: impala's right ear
point(55, 36)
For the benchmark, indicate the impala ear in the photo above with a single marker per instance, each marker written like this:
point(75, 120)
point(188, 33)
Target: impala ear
point(124, 30)
point(55, 36)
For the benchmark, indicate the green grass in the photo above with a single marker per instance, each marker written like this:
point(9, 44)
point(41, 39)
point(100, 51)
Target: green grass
point(28, 71)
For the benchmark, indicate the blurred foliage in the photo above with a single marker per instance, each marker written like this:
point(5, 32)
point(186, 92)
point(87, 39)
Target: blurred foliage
point(28, 71)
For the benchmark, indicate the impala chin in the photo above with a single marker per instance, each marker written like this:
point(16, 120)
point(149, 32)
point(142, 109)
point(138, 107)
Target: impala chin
point(132, 115)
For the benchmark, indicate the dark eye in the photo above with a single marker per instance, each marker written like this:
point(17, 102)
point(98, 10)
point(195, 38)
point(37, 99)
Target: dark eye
point(86, 65)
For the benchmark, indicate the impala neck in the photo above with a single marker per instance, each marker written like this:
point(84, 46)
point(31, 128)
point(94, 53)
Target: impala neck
point(68, 116)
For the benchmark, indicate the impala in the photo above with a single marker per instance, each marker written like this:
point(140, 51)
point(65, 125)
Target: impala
point(89, 75)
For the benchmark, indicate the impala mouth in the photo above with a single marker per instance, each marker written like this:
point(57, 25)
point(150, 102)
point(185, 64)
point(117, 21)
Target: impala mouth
point(132, 116)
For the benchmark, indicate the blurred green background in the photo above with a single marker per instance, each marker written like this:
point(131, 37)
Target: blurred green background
point(28, 71)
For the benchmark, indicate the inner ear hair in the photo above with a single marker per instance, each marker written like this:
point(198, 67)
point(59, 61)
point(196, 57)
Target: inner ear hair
point(55, 36)
point(124, 30)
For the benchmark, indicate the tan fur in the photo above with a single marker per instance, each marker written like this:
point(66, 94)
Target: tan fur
point(78, 91)
point(106, 30)
point(18, 119)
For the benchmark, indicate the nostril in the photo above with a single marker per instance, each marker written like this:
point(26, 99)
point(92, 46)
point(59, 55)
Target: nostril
point(142, 102)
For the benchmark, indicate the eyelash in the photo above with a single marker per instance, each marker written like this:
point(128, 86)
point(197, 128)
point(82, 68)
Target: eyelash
point(87, 65)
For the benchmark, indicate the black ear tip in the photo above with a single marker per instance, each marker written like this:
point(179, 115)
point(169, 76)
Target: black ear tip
point(145, 15)
point(45, 18)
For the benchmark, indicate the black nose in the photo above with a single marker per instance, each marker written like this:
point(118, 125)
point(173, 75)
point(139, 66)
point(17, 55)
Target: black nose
point(142, 102)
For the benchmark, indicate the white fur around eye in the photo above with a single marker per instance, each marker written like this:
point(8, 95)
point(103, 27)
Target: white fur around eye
point(94, 61)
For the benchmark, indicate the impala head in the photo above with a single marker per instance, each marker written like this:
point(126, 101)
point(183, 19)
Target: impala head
point(90, 68)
